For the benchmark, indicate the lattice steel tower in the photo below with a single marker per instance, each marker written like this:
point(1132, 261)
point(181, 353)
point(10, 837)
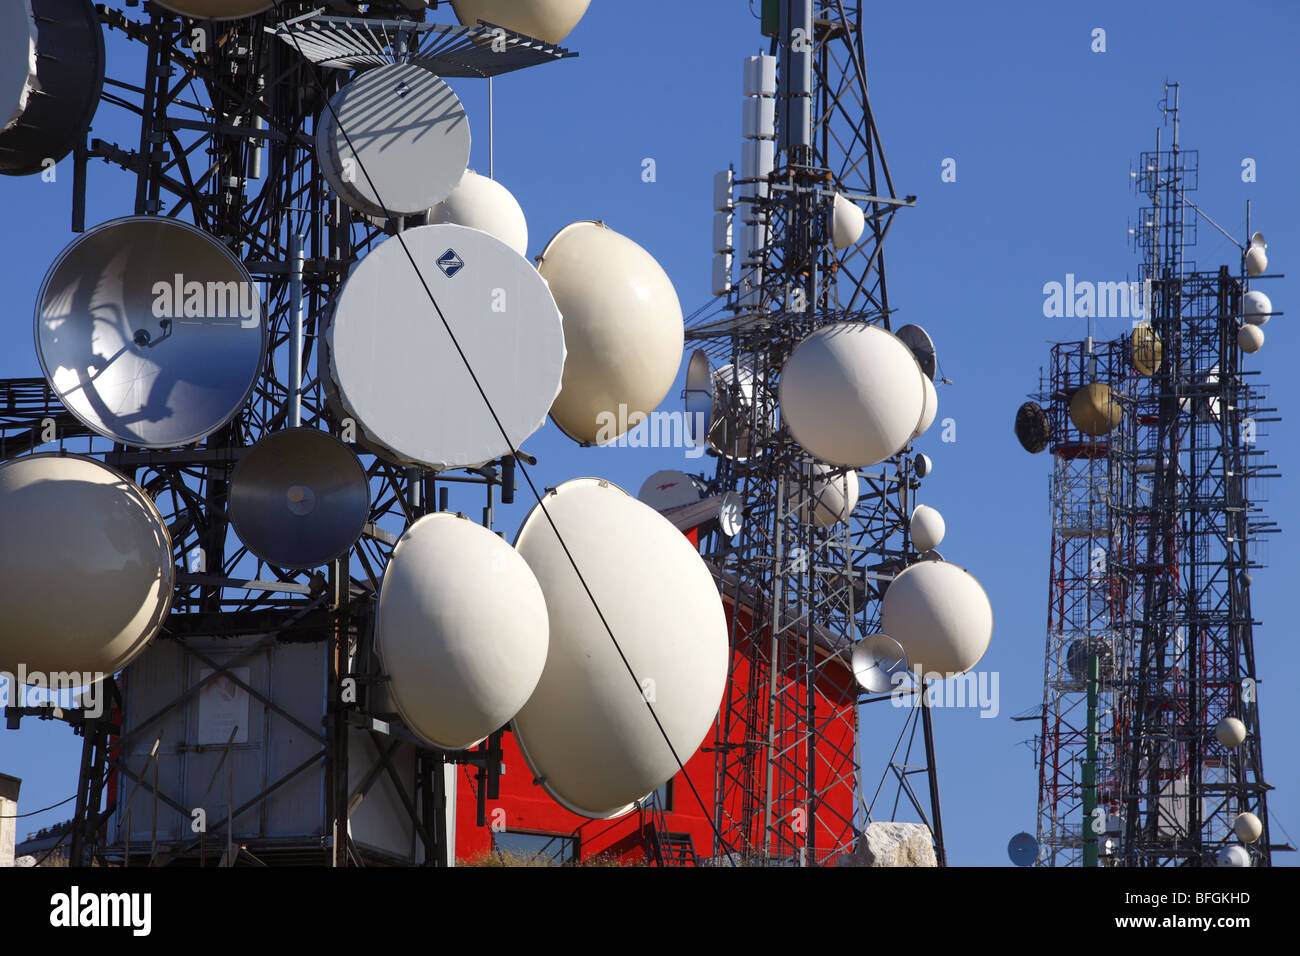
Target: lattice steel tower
point(787, 737)
point(1150, 617)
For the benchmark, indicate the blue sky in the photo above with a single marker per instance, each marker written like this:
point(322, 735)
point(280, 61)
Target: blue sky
point(1043, 132)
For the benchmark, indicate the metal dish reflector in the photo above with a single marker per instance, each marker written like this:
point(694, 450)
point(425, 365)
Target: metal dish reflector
point(876, 660)
point(395, 370)
point(587, 732)
point(395, 141)
point(85, 566)
point(150, 331)
point(299, 498)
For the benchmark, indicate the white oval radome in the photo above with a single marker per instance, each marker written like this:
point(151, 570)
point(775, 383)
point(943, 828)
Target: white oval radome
point(586, 732)
point(461, 629)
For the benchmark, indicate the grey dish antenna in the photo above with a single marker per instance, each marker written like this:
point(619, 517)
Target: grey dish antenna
point(150, 331)
point(394, 141)
point(1023, 850)
point(876, 661)
point(699, 397)
point(921, 346)
point(299, 498)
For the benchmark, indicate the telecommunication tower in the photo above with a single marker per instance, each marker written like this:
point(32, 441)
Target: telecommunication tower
point(787, 739)
point(1151, 751)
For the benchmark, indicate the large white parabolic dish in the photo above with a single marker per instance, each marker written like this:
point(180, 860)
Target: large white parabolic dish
point(586, 732)
point(85, 566)
point(461, 629)
point(395, 370)
point(622, 325)
point(940, 615)
point(395, 141)
point(852, 394)
point(150, 331)
point(548, 20)
point(299, 498)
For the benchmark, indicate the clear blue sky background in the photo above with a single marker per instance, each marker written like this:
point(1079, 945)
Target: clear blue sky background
point(1043, 131)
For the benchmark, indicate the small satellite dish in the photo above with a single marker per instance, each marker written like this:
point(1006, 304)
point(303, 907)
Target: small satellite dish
point(927, 528)
point(392, 365)
point(150, 331)
point(1146, 350)
point(699, 397)
point(670, 489)
point(847, 222)
point(51, 75)
point(1023, 850)
point(922, 465)
point(1033, 429)
point(395, 141)
point(733, 432)
point(731, 514)
point(216, 9)
point(876, 660)
point(299, 498)
point(483, 203)
point(931, 555)
point(1234, 856)
point(1250, 338)
point(919, 341)
point(1231, 732)
point(1257, 307)
point(1257, 239)
point(1256, 261)
point(1078, 651)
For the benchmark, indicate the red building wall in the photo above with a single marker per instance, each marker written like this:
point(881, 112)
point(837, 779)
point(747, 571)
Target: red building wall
point(525, 807)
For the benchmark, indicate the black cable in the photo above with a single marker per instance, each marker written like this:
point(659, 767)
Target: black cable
point(19, 816)
point(514, 449)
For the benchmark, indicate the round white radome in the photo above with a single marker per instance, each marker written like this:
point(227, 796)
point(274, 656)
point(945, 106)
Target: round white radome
point(929, 410)
point(852, 394)
point(1256, 307)
point(1234, 856)
point(1256, 261)
point(586, 732)
point(940, 615)
point(623, 330)
point(548, 20)
point(461, 629)
point(85, 566)
point(847, 222)
point(927, 527)
point(669, 489)
point(832, 498)
point(1250, 338)
point(1248, 827)
point(1231, 732)
point(482, 203)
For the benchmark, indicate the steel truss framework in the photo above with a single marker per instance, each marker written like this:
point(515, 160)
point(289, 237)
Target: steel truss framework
point(1181, 482)
point(225, 118)
point(787, 736)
